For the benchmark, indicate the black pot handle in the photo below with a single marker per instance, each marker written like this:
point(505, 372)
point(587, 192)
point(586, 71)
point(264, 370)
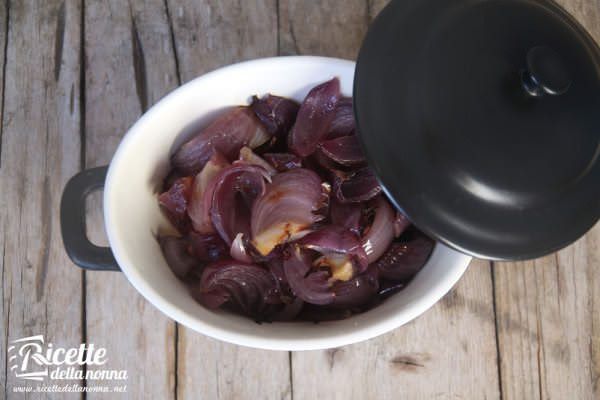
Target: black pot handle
point(81, 251)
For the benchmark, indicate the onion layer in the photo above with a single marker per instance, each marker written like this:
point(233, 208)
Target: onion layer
point(356, 186)
point(312, 287)
point(174, 203)
point(291, 204)
point(342, 123)
point(314, 118)
point(344, 150)
point(283, 161)
point(227, 135)
point(276, 113)
point(381, 232)
point(404, 259)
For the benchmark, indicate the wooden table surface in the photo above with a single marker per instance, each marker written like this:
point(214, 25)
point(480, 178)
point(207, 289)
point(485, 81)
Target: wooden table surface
point(77, 73)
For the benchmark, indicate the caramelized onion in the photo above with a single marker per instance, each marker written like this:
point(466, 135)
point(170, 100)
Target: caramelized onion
point(381, 232)
point(314, 118)
point(227, 134)
point(311, 286)
point(344, 150)
point(174, 203)
point(356, 186)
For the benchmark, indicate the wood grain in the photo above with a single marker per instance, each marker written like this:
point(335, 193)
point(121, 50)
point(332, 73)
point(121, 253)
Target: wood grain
point(41, 290)
point(548, 323)
point(129, 65)
point(207, 35)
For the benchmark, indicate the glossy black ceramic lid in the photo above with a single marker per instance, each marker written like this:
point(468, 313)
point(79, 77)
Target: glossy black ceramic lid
point(481, 119)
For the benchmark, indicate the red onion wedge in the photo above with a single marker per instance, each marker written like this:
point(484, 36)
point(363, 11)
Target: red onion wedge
point(356, 186)
point(176, 254)
point(357, 291)
point(344, 150)
point(380, 234)
point(342, 251)
point(293, 202)
point(249, 287)
point(238, 249)
point(236, 189)
point(401, 222)
point(311, 286)
point(174, 203)
point(249, 157)
point(227, 134)
point(202, 192)
point(314, 118)
point(342, 123)
point(283, 161)
point(347, 215)
point(276, 113)
point(404, 259)
point(206, 247)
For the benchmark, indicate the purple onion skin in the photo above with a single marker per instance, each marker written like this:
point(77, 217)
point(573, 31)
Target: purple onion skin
point(176, 254)
point(347, 216)
point(358, 291)
point(336, 239)
point(247, 286)
point(342, 123)
point(403, 260)
point(344, 150)
point(313, 287)
point(356, 186)
point(174, 203)
point(236, 188)
point(401, 222)
point(380, 234)
point(283, 161)
point(277, 114)
point(207, 248)
point(227, 134)
point(314, 118)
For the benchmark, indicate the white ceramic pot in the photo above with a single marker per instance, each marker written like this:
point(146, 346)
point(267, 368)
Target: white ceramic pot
point(132, 216)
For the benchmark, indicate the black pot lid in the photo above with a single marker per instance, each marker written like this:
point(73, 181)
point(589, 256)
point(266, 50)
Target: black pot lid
point(481, 119)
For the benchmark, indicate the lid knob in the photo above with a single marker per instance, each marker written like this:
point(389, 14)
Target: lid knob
point(546, 73)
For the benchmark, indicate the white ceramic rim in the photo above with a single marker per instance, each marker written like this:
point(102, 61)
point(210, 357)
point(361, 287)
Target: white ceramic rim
point(410, 312)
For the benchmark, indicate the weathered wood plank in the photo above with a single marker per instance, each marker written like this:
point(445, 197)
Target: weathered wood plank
point(333, 28)
point(549, 323)
point(213, 33)
point(207, 35)
point(457, 335)
point(41, 290)
point(549, 309)
point(129, 65)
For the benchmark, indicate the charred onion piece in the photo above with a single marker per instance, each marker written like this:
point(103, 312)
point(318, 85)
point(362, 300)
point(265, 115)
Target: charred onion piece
point(404, 259)
point(276, 113)
point(314, 118)
point(293, 202)
point(356, 186)
point(174, 203)
point(227, 134)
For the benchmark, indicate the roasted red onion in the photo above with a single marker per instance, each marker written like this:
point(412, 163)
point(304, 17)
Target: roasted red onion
point(276, 113)
point(249, 157)
point(202, 192)
point(236, 188)
point(174, 203)
point(176, 254)
point(291, 204)
point(227, 134)
point(401, 222)
point(283, 161)
point(314, 118)
point(380, 234)
point(342, 123)
point(404, 259)
point(290, 228)
point(206, 247)
point(356, 186)
point(247, 286)
point(341, 248)
point(311, 286)
point(346, 215)
point(344, 150)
